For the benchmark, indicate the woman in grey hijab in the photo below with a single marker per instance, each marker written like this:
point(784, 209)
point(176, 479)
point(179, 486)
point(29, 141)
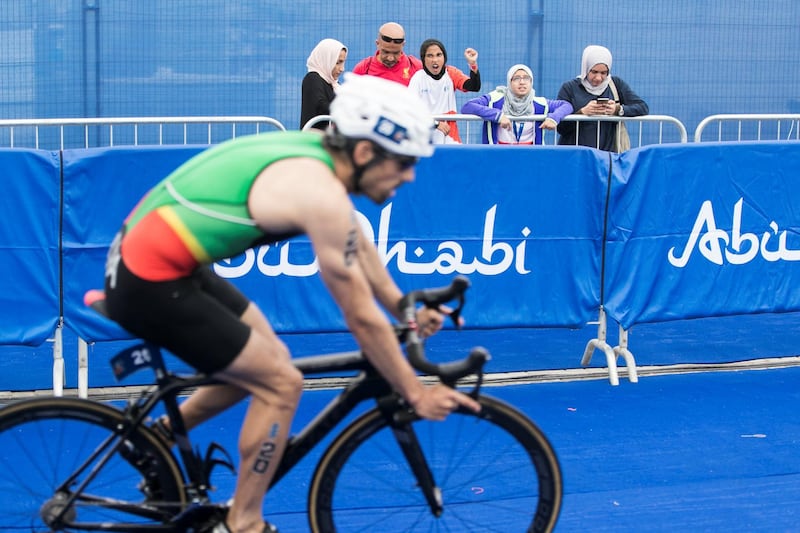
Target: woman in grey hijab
point(591, 93)
point(516, 99)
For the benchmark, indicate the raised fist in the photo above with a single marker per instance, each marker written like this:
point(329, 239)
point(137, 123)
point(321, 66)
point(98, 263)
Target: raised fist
point(471, 56)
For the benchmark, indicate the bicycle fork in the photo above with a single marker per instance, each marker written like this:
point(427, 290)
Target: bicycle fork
point(406, 438)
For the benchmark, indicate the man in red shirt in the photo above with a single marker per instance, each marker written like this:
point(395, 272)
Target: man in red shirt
point(389, 61)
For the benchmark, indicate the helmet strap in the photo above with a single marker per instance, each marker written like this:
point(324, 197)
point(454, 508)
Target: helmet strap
point(358, 170)
point(347, 146)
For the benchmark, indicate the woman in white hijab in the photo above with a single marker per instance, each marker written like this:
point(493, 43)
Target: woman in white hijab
point(325, 64)
point(596, 92)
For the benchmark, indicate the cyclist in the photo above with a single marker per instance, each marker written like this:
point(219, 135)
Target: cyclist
point(257, 190)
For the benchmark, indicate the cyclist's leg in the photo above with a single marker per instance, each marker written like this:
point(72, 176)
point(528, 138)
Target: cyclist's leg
point(264, 369)
point(207, 402)
point(199, 319)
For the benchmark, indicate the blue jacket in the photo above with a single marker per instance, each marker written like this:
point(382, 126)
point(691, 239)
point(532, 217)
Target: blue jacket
point(490, 107)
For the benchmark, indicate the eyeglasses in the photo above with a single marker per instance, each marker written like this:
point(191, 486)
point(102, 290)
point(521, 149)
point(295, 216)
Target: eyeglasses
point(517, 79)
point(388, 39)
point(404, 162)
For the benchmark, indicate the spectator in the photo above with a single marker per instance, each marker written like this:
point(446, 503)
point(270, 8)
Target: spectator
point(583, 92)
point(517, 99)
point(437, 82)
point(325, 64)
point(389, 61)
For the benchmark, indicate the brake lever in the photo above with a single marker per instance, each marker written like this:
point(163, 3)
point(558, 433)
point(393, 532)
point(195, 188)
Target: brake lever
point(455, 314)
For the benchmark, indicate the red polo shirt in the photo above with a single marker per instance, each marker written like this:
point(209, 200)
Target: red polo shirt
point(401, 72)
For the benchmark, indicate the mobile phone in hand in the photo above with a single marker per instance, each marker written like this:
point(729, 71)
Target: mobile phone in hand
point(602, 100)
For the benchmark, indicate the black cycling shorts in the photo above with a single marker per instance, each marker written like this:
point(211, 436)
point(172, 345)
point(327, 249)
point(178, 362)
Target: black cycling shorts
point(197, 318)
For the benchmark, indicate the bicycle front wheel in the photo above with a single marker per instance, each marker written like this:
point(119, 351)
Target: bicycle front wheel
point(496, 471)
point(44, 442)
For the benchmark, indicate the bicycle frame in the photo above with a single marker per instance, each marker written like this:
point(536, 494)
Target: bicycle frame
point(368, 384)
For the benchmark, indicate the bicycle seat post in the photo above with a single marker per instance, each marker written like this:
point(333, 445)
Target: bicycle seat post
point(169, 387)
point(169, 397)
point(163, 381)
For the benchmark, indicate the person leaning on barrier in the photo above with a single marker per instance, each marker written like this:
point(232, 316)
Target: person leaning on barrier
point(325, 64)
point(590, 94)
point(260, 189)
point(437, 82)
point(389, 61)
point(516, 99)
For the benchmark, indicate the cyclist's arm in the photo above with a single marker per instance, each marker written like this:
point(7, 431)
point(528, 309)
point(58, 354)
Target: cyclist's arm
point(389, 294)
point(335, 235)
point(331, 233)
point(383, 286)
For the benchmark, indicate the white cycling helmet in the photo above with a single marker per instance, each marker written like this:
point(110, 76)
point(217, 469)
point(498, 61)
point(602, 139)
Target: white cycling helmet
point(384, 112)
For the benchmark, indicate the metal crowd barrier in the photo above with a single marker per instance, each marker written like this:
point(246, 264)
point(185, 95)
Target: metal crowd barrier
point(648, 129)
point(115, 131)
point(751, 127)
point(61, 133)
point(316, 120)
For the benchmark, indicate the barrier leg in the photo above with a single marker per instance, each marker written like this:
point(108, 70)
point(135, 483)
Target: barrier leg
point(83, 369)
point(58, 360)
point(600, 343)
point(622, 351)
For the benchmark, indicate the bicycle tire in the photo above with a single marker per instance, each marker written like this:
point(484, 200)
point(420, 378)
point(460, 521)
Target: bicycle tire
point(44, 440)
point(496, 470)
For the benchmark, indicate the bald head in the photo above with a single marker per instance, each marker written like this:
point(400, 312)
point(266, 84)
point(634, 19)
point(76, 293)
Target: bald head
point(390, 42)
point(392, 30)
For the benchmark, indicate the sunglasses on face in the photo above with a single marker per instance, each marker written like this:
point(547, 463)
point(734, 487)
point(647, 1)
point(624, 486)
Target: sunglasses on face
point(387, 39)
point(404, 162)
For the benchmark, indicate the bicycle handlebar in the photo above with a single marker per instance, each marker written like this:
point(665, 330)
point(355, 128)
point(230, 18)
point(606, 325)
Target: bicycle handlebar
point(433, 298)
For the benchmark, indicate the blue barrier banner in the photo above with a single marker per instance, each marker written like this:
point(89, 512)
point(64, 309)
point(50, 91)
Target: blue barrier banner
point(29, 199)
point(524, 224)
point(703, 230)
point(101, 186)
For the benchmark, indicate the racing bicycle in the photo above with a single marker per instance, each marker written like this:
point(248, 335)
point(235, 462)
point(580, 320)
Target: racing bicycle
point(74, 464)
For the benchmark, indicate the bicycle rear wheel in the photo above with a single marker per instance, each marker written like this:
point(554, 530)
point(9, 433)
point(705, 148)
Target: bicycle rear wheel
point(496, 471)
point(44, 441)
